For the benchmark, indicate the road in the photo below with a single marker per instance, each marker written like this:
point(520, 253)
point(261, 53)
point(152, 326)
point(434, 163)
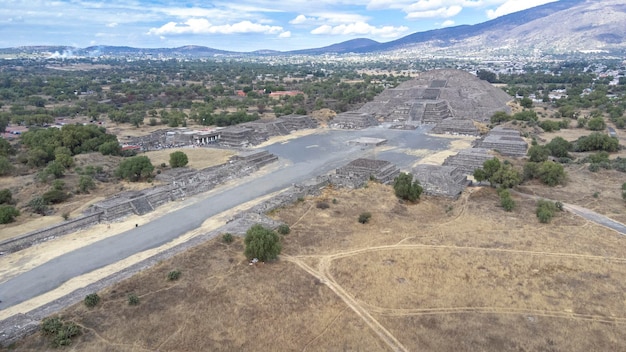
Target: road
point(307, 157)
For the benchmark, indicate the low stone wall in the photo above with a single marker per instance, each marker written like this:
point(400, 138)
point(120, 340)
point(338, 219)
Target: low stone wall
point(20, 325)
point(140, 202)
point(42, 235)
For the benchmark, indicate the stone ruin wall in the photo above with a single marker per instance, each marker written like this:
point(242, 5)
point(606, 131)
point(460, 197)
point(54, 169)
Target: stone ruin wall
point(125, 204)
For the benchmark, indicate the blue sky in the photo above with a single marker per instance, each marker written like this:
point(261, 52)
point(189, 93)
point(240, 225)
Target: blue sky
point(237, 25)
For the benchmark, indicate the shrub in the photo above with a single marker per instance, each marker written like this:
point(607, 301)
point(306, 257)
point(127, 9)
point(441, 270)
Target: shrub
point(8, 213)
point(262, 243)
point(227, 238)
point(85, 184)
point(283, 229)
point(6, 168)
point(59, 332)
point(6, 197)
point(91, 300)
point(365, 217)
point(624, 191)
point(135, 168)
point(178, 159)
point(559, 147)
point(55, 196)
point(505, 200)
point(545, 210)
point(66, 216)
point(551, 173)
point(38, 205)
point(335, 201)
point(596, 141)
point(596, 124)
point(538, 153)
point(133, 299)
point(322, 205)
point(173, 275)
point(407, 189)
point(549, 126)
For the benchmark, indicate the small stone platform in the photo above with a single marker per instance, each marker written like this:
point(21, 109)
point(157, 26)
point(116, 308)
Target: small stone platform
point(468, 160)
point(368, 141)
point(447, 181)
point(356, 173)
point(506, 141)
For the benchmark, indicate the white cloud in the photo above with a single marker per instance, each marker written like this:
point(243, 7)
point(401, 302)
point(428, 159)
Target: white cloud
point(511, 6)
point(361, 28)
point(286, 34)
point(203, 26)
point(443, 12)
point(447, 23)
point(299, 19)
point(112, 24)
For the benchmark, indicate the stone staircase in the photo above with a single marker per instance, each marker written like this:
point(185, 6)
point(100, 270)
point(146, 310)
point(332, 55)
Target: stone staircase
point(141, 206)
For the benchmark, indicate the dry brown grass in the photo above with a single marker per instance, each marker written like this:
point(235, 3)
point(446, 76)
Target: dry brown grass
point(439, 275)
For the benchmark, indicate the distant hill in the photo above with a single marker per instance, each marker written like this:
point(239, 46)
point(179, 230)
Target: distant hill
point(354, 45)
point(559, 27)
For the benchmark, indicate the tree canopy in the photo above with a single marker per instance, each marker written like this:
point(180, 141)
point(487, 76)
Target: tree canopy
point(407, 189)
point(178, 159)
point(135, 168)
point(262, 243)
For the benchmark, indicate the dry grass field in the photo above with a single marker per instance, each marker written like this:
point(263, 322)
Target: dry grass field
point(440, 275)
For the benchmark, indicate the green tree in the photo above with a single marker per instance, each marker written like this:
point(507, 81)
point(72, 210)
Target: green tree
point(526, 103)
point(6, 168)
point(6, 148)
point(8, 213)
point(6, 197)
point(559, 147)
point(407, 189)
point(38, 205)
point(551, 173)
point(178, 159)
point(486, 75)
point(110, 148)
point(538, 153)
point(500, 116)
point(596, 124)
point(545, 210)
point(85, 184)
point(261, 243)
point(505, 199)
point(596, 141)
point(135, 168)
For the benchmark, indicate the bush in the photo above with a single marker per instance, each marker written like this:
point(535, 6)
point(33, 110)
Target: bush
point(178, 159)
point(110, 148)
point(135, 168)
point(38, 205)
point(624, 191)
point(6, 168)
point(59, 332)
point(283, 229)
point(91, 300)
point(549, 126)
point(6, 197)
point(133, 299)
point(55, 196)
point(173, 275)
point(407, 189)
point(596, 141)
point(596, 124)
point(85, 184)
point(551, 173)
point(365, 217)
point(8, 213)
point(262, 243)
point(322, 205)
point(545, 210)
point(505, 200)
point(538, 153)
point(227, 238)
point(559, 147)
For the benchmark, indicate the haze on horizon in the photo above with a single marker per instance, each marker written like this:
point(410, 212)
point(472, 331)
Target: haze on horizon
point(246, 25)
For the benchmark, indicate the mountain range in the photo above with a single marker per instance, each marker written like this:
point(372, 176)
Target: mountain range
point(561, 27)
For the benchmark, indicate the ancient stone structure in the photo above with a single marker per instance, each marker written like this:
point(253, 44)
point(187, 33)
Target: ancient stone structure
point(468, 160)
point(447, 98)
point(506, 141)
point(356, 173)
point(180, 183)
point(447, 181)
point(353, 119)
point(239, 137)
point(258, 157)
point(456, 127)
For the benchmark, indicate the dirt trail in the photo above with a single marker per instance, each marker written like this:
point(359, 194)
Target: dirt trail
point(321, 275)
